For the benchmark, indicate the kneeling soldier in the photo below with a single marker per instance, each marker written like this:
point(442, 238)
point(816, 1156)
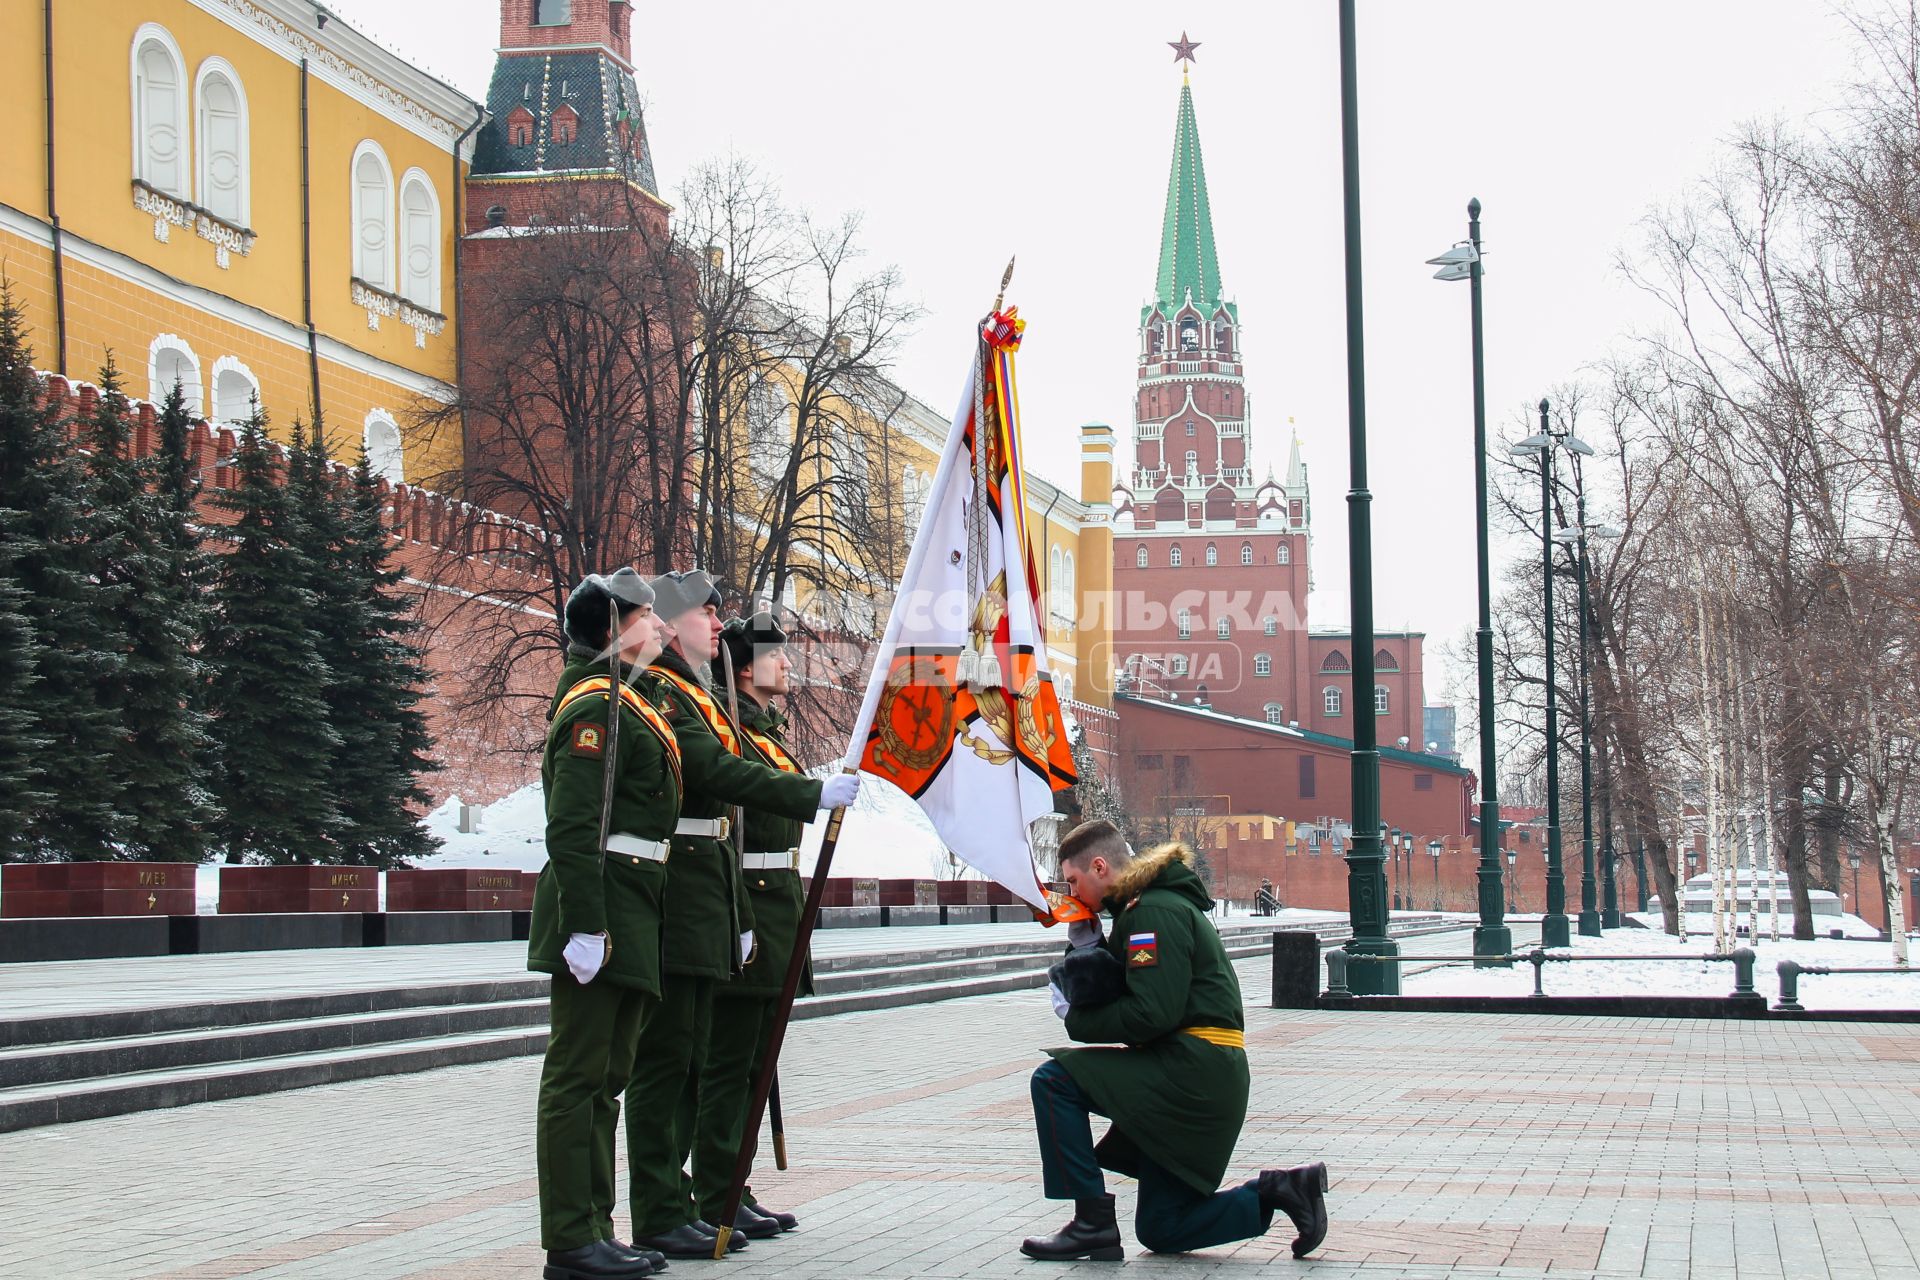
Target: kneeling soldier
point(612, 794)
point(1177, 1093)
point(709, 925)
point(753, 650)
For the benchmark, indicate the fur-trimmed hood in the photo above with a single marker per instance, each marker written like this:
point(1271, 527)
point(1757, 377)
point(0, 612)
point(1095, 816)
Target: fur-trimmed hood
point(1168, 866)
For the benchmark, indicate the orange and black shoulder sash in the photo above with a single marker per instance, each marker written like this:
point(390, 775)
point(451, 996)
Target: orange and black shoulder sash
point(717, 720)
point(775, 754)
point(630, 698)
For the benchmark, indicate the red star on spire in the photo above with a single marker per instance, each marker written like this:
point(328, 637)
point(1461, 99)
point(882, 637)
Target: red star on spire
point(1183, 48)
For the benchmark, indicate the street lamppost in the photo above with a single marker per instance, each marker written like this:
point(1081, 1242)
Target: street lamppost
point(1512, 871)
point(1575, 539)
point(1406, 851)
point(1393, 851)
point(1434, 848)
point(1366, 879)
point(1853, 860)
point(1492, 937)
point(1553, 925)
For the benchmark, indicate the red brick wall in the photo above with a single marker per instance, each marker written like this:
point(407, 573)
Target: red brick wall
point(604, 22)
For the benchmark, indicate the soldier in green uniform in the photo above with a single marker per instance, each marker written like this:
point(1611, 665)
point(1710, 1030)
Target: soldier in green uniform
point(1177, 1091)
point(597, 913)
point(753, 651)
point(709, 919)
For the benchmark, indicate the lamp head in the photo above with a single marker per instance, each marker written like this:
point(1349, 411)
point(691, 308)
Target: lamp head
point(1539, 442)
point(1574, 444)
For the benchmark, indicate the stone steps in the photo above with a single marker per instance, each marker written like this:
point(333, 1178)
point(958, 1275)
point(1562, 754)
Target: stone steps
point(62, 1068)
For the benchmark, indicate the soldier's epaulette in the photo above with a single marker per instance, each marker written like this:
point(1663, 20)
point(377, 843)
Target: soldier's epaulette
point(774, 753)
point(709, 709)
point(629, 698)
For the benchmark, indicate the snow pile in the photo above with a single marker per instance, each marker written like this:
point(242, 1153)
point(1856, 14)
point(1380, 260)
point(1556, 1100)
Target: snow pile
point(1689, 977)
point(885, 835)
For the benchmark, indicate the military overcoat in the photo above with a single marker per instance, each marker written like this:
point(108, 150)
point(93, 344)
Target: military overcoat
point(1178, 1098)
point(706, 899)
point(576, 893)
point(776, 893)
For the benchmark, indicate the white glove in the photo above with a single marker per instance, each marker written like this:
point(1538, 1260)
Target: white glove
point(839, 791)
point(1083, 933)
point(1060, 1005)
point(585, 954)
point(746, 946)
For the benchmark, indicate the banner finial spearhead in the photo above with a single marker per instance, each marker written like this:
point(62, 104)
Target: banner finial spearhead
point(1006, 278)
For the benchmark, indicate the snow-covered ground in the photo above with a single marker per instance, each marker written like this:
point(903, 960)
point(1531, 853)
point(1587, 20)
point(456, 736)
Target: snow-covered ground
point(885, 835)
point(1691, 977)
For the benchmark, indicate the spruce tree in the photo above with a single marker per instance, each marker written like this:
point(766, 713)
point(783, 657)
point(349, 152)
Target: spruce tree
point(378, 676)
point(268, 690)
point(161, 750)
point(68, 611)
point(21, 742)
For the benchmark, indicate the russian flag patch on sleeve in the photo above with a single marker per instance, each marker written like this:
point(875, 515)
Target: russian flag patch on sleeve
point(1143, 949)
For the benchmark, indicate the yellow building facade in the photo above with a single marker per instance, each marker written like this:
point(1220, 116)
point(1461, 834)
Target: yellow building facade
point(246, 196)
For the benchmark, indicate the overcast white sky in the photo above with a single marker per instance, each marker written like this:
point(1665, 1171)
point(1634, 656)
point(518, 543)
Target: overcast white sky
point(1048, 133)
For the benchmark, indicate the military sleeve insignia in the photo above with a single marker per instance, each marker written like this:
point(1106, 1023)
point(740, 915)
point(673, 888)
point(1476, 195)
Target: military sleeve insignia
point(589, 739)
point(1143, 949)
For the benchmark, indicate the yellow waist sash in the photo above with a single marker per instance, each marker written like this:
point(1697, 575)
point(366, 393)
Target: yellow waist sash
point(1224, 1036)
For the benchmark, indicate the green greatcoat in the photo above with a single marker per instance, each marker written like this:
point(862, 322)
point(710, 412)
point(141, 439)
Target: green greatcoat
point(707, 906)
point(1174, 1097)
point(777, 896)
point(575, 894)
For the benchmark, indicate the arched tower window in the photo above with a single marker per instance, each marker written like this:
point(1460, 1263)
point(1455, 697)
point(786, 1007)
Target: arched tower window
point(1173, 555)
point(1140, 556)
point(566, 125)
point(1246, 553)
point(222, 139)
point(520, 127)
point(160, 155)
point(1213, 554)
point(1285, 554)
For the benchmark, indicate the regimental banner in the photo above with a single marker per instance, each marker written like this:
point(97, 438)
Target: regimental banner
point(960, 711)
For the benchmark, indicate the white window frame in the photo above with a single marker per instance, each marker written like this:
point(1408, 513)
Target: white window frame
point(153, 32)
point(221, 367)
point(1330, 700)
point(369, 148)
point(1286, 555)
point(1271, 627)
point(1140, 556)
point(1382, 700)
point(218, 66)
point(1224, 629)
point(1275, 713)
point(1173, 556)
point(417, 177)
point(1263, 664)
point(1179, 665)
point(1246, 553)
point(157, 390)
point(388, 462)
point(1213, 555)
point(1183, 624)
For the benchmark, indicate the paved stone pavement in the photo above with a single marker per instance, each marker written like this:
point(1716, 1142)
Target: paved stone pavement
point(1461, 1145)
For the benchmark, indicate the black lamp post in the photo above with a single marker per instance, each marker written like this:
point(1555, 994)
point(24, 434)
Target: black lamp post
point(1492, 937)
point(1434, 847)
point(1512, 870)
point(1576, 541)
point(1553, 925)
point(1853, 860)
point(1366, 878)
point(1393, 851)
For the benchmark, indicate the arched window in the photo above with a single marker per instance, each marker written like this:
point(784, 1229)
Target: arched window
point(1193, 462)
point(1274, 713)
point(520, 127)
point(234, 391)
point(171, 360)
point(1285, 556)
point(1213, 554)
point(1224, 628)
point(1184, 623)
point(1053, 571)
point(1271, 626)
point(1330, 700)
point(566, 125)
point(1140, 556)
point(384, 453)
point(222, 139)
point(372, 216)
point(1379, 699)
point(1179, 664)
point(1064, 683)
point(419, 241)
point(1071, 587)
point(1383, 660)
point(1246, 553)
point(1263, 664)
point(1335, 661)
point(1173, 555)
point(160, 155)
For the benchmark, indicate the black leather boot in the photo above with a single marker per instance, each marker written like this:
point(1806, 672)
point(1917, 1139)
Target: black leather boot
point(596, 1261)
point(654, 1259)
point(735, 1242)
point(682, 1242)
point(754, 1226)
point(1301, 1194)
point(1092, 1234)
point(786, 1220)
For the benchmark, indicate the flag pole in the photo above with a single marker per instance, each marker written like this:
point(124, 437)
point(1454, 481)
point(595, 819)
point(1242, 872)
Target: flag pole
point(830, 839)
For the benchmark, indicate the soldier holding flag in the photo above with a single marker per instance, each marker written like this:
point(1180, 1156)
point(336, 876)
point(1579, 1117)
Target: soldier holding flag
point(708, 933)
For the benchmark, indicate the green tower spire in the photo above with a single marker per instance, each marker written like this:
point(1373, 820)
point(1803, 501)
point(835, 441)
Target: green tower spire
point(1188, 263)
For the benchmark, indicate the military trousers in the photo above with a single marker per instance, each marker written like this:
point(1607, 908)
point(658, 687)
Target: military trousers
point(742, 1027)
point(662, 1098)
point(594, 1032)
point(1172, 1216)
